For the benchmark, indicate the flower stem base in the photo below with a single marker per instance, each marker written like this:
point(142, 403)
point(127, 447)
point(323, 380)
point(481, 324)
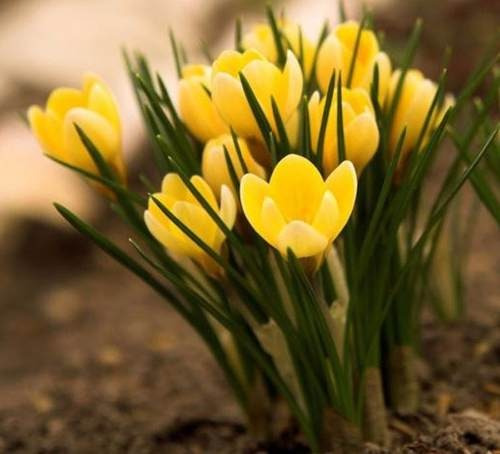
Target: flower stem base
point(403, 382)
point(339, 436)
point(375, 428)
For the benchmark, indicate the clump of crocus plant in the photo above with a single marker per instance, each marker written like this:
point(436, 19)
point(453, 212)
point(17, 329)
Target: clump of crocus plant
point(287, 231)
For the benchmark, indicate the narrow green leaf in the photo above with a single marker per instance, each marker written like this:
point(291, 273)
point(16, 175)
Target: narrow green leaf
point(278, 41)
point(324, 121)
point(260, 116)
point(340, 122)
point(352, 64)
point(176, 53)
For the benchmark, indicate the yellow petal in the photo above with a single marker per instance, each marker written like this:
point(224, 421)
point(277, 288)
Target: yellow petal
point(198, 111)
point(163, 235)
point(361, 140)
point(272, 221)
point(343, 184)
point(327, 217)
point(261, 38)
point(173, 186)
point(89, 79)
point(291, 86)
point(227, 213)
point(99, 131)
point(368, 48)
point(302, 239)
point(198, 221)
point(227, 207)
point(63, 99)
point(205, 190)
point(101, 101)
point(253, 190)
point(329, 60)
point(47, 129)
point(232, 62)
point(230, 100)
point(384, 75)
point(214, 166)
point(297, 187)
point(196, 71)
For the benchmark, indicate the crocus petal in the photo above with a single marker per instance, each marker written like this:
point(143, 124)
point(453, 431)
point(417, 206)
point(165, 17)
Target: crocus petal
point(198, 221)
point(163, 235)
point(98, 130)
point(205, 190)
point(272, 221)
point(230, 100)
point(329, 60)
point(63, 99)
point(291, 86)
point(327, 217)
point(47, 129)
point(199, 112)
point(101, 101)
point(343, 184)
point(361, 139)
point(302, 239)
point(253, 190)
point(297, 187)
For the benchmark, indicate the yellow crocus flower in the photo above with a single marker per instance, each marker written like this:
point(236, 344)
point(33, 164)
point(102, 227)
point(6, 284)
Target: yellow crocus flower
point(214, 165)
point(360, 128)
point(266, 80)
point(261, 38)
point(195, 104)
point(297, 209)
point(94, 110)
point(417, 94)
point(336, 54)
point(177, 198)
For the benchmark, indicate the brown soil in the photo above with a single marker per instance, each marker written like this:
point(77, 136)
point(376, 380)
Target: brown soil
point(92, 361)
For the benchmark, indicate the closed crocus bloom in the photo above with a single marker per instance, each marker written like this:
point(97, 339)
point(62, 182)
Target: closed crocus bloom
point(177, 198)
point(267, 81)
point(261, 38)
point(214, 165)
point(297, 209)
point(336, 54)
point(361, 133)
point(417, 94)
point(94, 110)
point(195, 104)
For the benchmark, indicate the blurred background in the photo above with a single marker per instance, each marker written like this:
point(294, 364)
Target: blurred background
point(82, 343)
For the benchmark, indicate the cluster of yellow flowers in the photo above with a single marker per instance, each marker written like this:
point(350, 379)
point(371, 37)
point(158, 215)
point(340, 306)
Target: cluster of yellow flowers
point(291, 206)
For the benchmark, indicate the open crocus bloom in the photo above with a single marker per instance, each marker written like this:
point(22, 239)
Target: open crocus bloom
point(360, 128)
point(179, 200)
point(214, 165)
point(266, 80)
point(336, 54)
point(95, 111)
point(195, 104)
point(297, 209)
point(262, 39)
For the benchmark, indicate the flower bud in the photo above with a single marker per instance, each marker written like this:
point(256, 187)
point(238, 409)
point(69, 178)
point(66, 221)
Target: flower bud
point(416, 97)
point(262, 39)
point(336, 54)
point(214, 165)
point(361, 133)
point(266, 80)
point(177, 198)
point(195, 103)
point(95, 111)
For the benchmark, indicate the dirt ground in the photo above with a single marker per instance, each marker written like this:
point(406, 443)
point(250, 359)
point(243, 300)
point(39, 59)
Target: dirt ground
point(92, 361)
